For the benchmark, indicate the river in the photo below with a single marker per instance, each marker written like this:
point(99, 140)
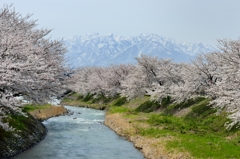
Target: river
point(81, 135)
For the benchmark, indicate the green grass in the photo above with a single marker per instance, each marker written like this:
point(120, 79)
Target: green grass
point(88, 97)
point(136, 102)
point(120, 101)
point(168, 122)
point(148, 106)
point(66, 100)
point(200, 132)
point(207, 146)
point(174, 107)
point(203, 117)
point(201, 120)
point(18, 122)
point(117, 109)
point(102, 99)
point(198, 144)
point(155, 132)
point(75, 95)
point(32, 107)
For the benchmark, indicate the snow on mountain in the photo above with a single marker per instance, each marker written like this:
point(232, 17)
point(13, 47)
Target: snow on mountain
point(103, 50)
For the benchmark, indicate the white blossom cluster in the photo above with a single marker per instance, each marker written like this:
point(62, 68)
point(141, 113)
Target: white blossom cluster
point(100, 80)
point(31, 65)
point(214, 75)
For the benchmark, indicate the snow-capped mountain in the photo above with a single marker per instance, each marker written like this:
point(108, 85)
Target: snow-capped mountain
point(103, 50)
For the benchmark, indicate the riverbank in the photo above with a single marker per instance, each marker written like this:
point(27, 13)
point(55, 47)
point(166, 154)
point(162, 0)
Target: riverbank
point(81, 135)
point(186, 130)
point(27, 130)
point(26, 133)
point(151, 148)
point(43, 113)
point(128, 128)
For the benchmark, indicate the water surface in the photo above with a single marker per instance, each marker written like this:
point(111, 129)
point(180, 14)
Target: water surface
point(81, 135)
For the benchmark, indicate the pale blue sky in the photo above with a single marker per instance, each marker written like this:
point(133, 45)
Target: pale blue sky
point(182, 20)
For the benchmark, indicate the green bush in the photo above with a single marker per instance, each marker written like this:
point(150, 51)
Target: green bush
point(80, 97)
point(99, 98)
point(120, 101)
point(103, 99)
point(173, 108)
point(88, 97)
point(166, 101)
point(148, 106)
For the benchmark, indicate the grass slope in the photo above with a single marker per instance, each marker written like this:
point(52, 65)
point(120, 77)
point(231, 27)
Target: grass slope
point(23, 123)
point(43, 112)
point(199, 131)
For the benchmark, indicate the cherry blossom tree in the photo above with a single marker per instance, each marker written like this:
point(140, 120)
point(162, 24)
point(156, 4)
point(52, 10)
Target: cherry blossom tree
point(226, 90)
point(99, 80)
point(78, 82)
point(116, 75)
point(31, 65)
point(217, 75)
point(154, 77)
point(214, 75)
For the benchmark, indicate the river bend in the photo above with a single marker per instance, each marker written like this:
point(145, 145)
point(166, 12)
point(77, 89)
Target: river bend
point(81, 135)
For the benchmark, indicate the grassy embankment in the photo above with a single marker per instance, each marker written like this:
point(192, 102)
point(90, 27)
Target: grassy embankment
point(43, 112)
point(186, 130)
point(27, 129)
point(23, 123)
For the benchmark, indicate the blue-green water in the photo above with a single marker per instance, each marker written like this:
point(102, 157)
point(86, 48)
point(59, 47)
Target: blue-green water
point(81, 136)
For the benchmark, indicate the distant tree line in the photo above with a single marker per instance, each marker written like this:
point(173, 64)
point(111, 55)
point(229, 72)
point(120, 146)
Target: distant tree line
point(214, 75)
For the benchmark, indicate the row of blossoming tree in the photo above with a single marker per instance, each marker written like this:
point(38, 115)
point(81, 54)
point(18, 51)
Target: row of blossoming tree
point(31, 65)
point(214, 75)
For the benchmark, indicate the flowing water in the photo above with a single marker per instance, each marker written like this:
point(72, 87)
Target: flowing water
point(81, 135)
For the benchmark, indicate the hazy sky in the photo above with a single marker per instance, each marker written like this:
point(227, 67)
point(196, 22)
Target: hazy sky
point(182, 20)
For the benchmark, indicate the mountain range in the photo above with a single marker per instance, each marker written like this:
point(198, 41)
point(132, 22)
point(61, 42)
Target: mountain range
point(103, 50)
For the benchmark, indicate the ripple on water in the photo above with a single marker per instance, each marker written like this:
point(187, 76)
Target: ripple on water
point(81, 136)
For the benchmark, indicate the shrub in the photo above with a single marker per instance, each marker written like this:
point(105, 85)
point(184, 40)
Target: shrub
point(120, 101)
point(148, 106)
point(88, 97)
point(173, 108)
